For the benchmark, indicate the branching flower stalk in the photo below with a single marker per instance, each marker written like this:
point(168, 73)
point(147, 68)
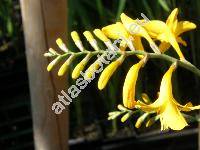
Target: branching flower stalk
point(184, 64)
point(166, 109)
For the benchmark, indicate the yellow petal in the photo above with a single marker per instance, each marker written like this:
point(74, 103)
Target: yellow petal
point(172, 118)
point(115, 31)
point(80, 67)
point(108, 72)
point(169, 37)
point(138, 43)
point(172, 18)
point(100, 35)
point(135, 28)
point(174, 43)
point(165, 91)
point(129, 85)
point(187, 107)
point(150, 108)
point(166, 106)
point(166, 85)
point(180, 40)
point(164, 46)
point(155, 27)
point(184, 26)
point(170, 114)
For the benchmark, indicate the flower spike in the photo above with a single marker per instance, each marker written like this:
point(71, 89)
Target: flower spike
point(129, 34)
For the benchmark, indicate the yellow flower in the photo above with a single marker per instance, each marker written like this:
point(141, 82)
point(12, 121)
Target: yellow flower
point(168, 109)
point(169, 33)
point(177, 28)
point(118, 31)
point(108, 72)
point(129, 85)
point(114, 31)
point(134, 28)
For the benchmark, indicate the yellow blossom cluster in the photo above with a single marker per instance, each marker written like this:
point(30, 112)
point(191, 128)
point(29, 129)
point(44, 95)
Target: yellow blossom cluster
point(165, 108)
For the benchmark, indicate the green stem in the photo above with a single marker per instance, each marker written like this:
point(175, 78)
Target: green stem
point(182, 63)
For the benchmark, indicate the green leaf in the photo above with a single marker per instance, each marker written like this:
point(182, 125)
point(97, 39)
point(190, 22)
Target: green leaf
point(121, 6)
point(164, 5)
point(9, 27)
point(148, 9)
point(100, 8)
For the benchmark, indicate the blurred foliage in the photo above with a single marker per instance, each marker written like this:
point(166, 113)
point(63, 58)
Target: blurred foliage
point(88, 15)
point(11, 33)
